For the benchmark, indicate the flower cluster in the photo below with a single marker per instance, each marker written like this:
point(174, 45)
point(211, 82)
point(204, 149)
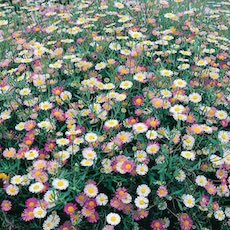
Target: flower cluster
point(114, 115)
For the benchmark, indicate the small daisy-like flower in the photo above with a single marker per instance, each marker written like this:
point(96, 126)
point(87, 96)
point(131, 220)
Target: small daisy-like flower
point(89, 153)
point(91, 190)
point(101, 199)
point(162, 191)
point(166, 93)
point(126, 85)
point(17, 179)
point(188, 155)
point(36, 187)
point(62, 141)
point(50, 197)
point(56, 65)
point(31, 154)
point(39, 212)
point(6, 205)
point(180, 83)
point(219, 215)
point(143, 190)
point(151, 135)
point(179, 117)
point(186, 52)
point(183, 66)
point(66, 95)
point(113, 219)
point(140, 128)
point(227, 212)
point(111, 123)
point(157, 225)
point(188, 200)
point(140, 77)
point(135, 34)
point(177, 109)
point(45, 105)
point(221, 114)
point(114, 46)
point(141, 202)
point(201, 63)
point(86, 162)
point(180, 176)
point(25, 91)
point(70, 208)
point(127, 199)
point(142, 169)
point(91, 137)
point(100, 66)
point(51, 222)
point(171, 16)
point(195, 97)
point(60, 184)
point(140, 155)
point(201, 181)
point(28, 214)
point(166, 73)
point(153, 148)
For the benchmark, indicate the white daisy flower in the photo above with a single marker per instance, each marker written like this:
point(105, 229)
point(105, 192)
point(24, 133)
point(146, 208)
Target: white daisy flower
point(188, 200)
point(140, 128)
point(190, 155)
point(113, 219)
point(180, 83)
point(17, 179)
point(195, 97)
point(151, 134)
point(39, 212)
point(101, 199)
point(86, 162)
point(36, 187)
point(221, 114)
point(31, 154)
point(166, 73)
point(143, 190)
point(141, 202)
point(62, 141)
point(91, 137)
point(201, 180)
point(219, 215)
point(12, 190)
point(142, 169)
point(60, 184)
point(126, 85)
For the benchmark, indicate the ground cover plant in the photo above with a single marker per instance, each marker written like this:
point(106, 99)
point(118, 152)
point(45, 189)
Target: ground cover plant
point(114, 115)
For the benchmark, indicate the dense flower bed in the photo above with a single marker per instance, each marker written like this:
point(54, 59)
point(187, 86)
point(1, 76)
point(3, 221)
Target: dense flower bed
point(114, 115)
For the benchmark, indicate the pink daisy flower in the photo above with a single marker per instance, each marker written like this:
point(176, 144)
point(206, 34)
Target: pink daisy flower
point(87, 212)
point(28, 214)
point(70, 208)
point(185, 222)
point(137, 100)
point(162, 191)
point(6, 205)
point(128, 166)
point(90, 203)
point(121, 193)
point(152, 122)
point(65, 226)
point(157, 225)
point(81, 198)
point(93, 218)
point(32, 203)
